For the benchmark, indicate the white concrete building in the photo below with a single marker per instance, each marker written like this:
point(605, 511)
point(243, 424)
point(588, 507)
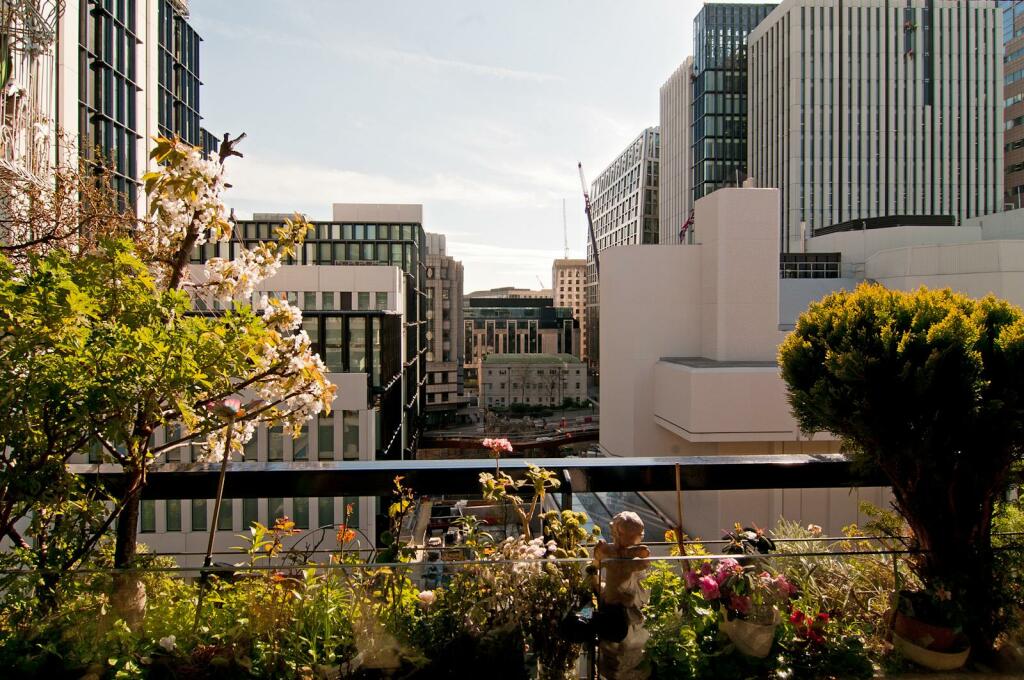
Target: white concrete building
point(870, 108)
point(531, 379)
point(568, 285)
point(675, 187)
point(692, 370)
point(358, 280)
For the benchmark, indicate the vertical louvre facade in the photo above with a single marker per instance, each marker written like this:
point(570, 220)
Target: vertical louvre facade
point(720, 33)
point(178, 64)
point(624, 208)
point(108, 90)
point(675, 188)
point(868, 108)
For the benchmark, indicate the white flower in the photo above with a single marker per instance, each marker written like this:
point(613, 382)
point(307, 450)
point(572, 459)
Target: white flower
point(168, 643)
point(427, 597)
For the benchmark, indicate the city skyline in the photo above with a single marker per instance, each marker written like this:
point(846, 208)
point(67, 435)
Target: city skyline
point(480, 114)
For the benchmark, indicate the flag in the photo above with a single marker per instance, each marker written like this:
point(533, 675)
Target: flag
point(686, 225)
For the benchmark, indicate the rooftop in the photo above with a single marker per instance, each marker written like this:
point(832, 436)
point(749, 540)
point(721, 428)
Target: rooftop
point(531, 359)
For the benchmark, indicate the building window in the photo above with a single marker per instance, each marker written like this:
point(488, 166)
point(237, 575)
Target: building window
point(300, 512)
point(199, 514)
point(364, 300)
point(147, 517)
point(172, 515)
point(325, 511)
point(327, 301)
point(350, 434)
point(382, 300)
point(250, 512)
point(226, 515)
point(275, 443)
point(275, 510)
point(251, 450)
point(325, 437)
point(334, 357)
point(300, 445)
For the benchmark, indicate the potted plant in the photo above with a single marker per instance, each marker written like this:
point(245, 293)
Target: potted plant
point(748, 600)
point(927, 628)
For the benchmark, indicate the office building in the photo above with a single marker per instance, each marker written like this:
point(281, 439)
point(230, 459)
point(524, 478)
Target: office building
point(514, 326)
point(675, 187)
point(1013, 111)
point(624, 210)
point(109, 76)
point(568, 283)
point(509, 292)
point(532, 379)
point(445, 346)
point(720, 33)
point(870, 108)
point(360, 280)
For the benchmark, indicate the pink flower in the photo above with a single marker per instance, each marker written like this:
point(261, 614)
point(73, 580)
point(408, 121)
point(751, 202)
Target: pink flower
point(708, 587)
point(740, 604)
point(784, 587)
point(691, 579)
point(706, 568)
point(727, 568)
point(498, 445)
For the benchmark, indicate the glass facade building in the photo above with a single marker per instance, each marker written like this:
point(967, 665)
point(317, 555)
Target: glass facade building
point(720, 94)
point(624, 207)
point(360, 331)
point(108, 85)
point(112, 76)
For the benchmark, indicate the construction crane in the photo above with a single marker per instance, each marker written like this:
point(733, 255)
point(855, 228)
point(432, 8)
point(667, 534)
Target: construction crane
point(565, 231)
point(590, 223)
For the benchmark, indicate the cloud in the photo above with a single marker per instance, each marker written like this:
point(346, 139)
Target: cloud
point(490, 266)
point(263, 184)
point(368, 52)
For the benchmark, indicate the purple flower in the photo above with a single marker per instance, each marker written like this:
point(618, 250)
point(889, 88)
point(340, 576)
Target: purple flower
point(691, 578)
point(708, 587)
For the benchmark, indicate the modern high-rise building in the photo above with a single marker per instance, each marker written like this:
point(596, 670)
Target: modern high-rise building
point(875, 108)
point(719, 135)
point(675, 186)
point(568, 283)
point(445, 331)
point(1013, 93)
point(624, 208)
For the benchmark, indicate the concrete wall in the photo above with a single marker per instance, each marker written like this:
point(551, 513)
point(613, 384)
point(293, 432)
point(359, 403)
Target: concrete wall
point(690, 349)
point(858, 246)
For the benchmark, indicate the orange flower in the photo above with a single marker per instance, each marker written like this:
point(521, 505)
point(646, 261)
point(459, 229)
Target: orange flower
point(345, 534)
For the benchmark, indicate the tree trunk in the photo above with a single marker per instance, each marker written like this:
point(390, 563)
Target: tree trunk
point(127, 523)
point(129, 594)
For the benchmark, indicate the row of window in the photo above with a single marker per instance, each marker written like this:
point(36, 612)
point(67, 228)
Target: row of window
point(263, 510)
point(271, 444)
point(336, 231)
point(541, 400)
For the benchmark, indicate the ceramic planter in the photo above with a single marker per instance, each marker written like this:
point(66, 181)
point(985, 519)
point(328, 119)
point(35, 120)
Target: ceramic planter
point(925, 635)
point(929, 658)
point(751, 639)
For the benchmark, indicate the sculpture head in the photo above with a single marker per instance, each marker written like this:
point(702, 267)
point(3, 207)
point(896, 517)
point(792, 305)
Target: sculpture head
point(627, 528)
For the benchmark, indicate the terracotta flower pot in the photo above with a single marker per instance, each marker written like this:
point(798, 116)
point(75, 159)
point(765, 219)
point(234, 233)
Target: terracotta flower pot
point(751, 639)
point(924, 635)
point(929, 658)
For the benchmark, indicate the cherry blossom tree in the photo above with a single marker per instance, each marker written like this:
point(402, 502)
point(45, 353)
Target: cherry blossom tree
point(119, 315)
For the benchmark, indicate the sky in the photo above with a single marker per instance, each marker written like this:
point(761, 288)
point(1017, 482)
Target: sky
point(477, 109)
